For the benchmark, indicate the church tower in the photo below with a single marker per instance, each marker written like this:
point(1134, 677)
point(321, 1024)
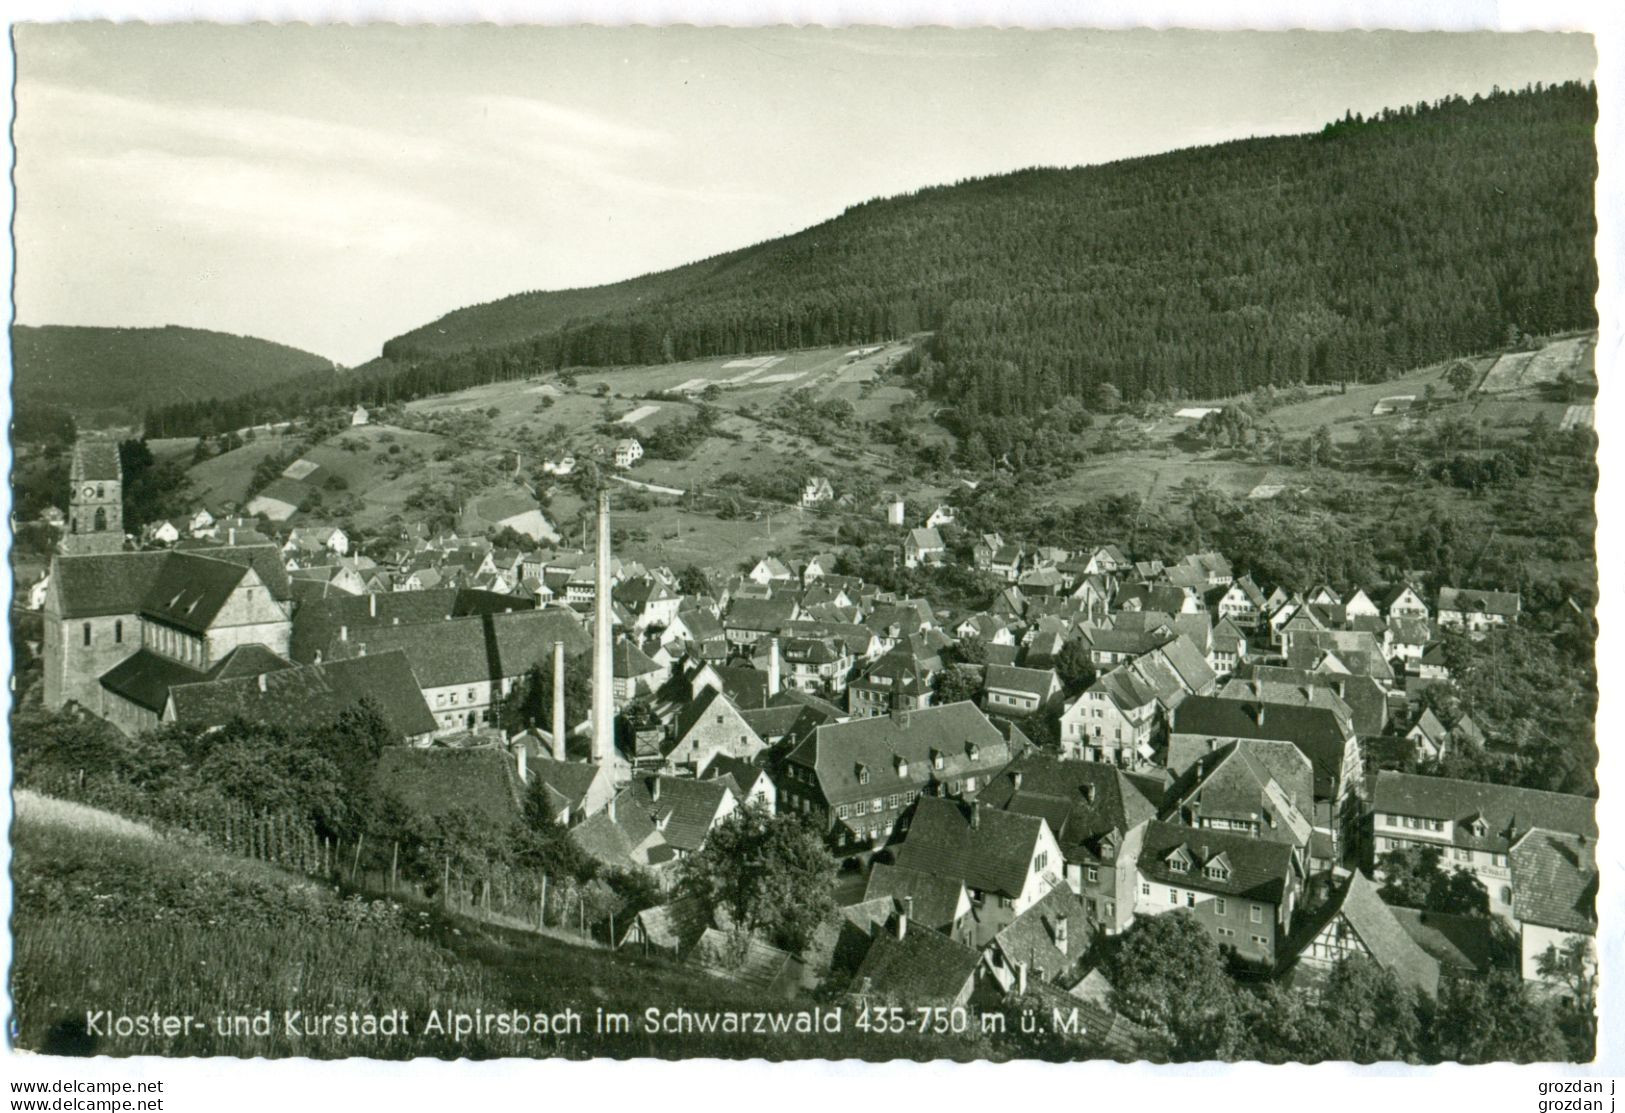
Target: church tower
point(95, 499)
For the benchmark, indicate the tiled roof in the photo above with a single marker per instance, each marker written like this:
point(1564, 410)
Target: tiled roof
point(570, 779)
point(988, 849)
point(760, 615)
point(1554, 880)
point(935, 898)
point(1034, 937)
point(113, 583)
point(144, 678)
point(1466, 600)
point(1038, 683)
point(1457, 942)
point(840, 752)
point(684, 808)
point(1507, 811)
point(676, 926)
point(1390, 945)
point(307, 696)
point(749, 961)
point(248, 660)
point(630, 661)
point(190, 589)
point(1238, 783)
point(922, 968)
point(479, 647)
point(1080, 800)
point(316, 624)
point(96, 458)
point(1314, 730)
point(1258, 870)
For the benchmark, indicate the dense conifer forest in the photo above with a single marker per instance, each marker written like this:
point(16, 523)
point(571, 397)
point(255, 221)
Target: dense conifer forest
point(108, 375)
point(1374, 245)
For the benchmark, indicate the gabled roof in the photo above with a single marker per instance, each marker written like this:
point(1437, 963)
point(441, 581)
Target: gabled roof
point(676, 926)
point(922, 968)
point(925, 538)
point(837, 751)
point(630, 661)
point(1080, 800)
point(1505, 809)
point(1034, 937)
point(1316, 731)
point(1038, 683)
point(1390, 945)
point(744, 774)
point(570, 780)
point(478, 647)
point(145, 678)
point(1259, 870)
point(1504, 603)
point(190, 589)
point(1238, 783)
point(936, 899)
point(987, 849)
point(95, 458)
point(760, 615)
point(681, 808)
point(1554, 880)
point(309, 696)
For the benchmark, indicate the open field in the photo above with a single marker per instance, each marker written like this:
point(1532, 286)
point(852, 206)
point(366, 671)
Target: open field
point(1530, 371)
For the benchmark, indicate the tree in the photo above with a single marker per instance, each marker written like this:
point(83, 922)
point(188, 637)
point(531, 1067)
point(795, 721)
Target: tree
point(769, 874)
point(1369, 1016)
point(692, 580)
point(1073, 665)
point(1573, 966)
point(1462, 377)
point(1460, 892)
point(1168, 975)
point(955, 683)
point(1409, 874)
point(1494, 1020)
point(1106, 398)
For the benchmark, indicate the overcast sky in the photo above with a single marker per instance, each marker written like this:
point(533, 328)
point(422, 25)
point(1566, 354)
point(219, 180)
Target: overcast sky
point(332, 187)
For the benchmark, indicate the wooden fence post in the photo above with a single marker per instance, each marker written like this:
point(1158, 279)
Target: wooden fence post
point(355, 863)
point(394, 866)
point(541, 920)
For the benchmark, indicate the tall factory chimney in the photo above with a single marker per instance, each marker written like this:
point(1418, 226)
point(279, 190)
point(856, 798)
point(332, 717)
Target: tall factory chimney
point(603, 660)
point(559, 753)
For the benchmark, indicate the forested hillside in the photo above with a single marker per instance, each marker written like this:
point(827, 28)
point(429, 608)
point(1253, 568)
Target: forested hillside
point(1371, 246)
point(111, 374)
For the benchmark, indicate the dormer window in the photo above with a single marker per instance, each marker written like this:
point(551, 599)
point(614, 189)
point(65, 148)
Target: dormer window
point(973, 750)
point(1218, 871)
point(863, 774)
point(902, 767)
point(936, 759)
point(1178, 862)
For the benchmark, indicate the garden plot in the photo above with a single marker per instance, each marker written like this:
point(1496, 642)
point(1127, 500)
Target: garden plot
point(1579, 417)
point(639, 414)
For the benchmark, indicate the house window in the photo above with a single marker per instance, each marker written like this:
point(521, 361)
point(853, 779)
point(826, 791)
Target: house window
point(1256, 915)
point(1498, 859)
point(1190, 899)
point(1094, 874)
point(118, 631)
point(1040, 859)
point(1111, 910)
point(1506, 894)
point(87, 633)
point(1173, 896)
point(1218, 906)
point(1463, 854)
point(1145, 888)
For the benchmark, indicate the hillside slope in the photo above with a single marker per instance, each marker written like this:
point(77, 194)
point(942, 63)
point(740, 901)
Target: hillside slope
point(111, 374)
point(1371, 244)
point(1426, 232)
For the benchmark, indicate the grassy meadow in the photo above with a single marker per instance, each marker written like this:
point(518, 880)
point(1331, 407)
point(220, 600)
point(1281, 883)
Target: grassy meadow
point(111, 916)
